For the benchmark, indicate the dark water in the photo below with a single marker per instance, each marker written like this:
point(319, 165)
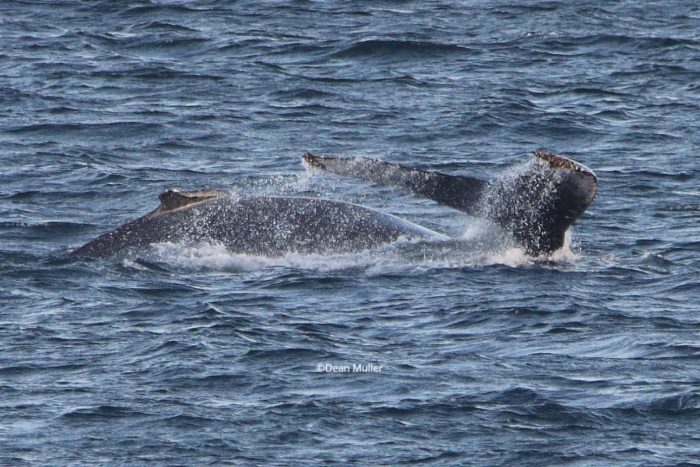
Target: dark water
point(198, 356)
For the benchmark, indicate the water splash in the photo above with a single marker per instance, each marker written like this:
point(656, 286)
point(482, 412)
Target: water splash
point(402, 256)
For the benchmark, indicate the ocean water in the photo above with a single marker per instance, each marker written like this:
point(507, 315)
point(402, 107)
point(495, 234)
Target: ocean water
point(193, 355)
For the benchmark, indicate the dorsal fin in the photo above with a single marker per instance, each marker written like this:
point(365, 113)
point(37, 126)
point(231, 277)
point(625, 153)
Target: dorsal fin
point(173, 198)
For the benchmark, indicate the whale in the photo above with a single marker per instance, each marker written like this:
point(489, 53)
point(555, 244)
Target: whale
point(261, 225)
point(536, 207)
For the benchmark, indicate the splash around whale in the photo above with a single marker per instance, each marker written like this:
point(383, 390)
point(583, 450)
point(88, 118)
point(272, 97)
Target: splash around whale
point(535, 206)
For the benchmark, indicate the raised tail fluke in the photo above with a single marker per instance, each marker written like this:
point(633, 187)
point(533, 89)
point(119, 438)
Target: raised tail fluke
point(536, 203)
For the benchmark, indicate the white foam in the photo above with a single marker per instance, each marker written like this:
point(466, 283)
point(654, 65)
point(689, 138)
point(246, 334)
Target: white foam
point(216, 257)
point(566, 253)
point(475, 229)
point(513, 257)
point(206, 256)
point(398, 257)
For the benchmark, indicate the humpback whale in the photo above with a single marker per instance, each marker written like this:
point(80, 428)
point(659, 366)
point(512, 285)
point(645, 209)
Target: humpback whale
point(264, 225)
point(536, 207)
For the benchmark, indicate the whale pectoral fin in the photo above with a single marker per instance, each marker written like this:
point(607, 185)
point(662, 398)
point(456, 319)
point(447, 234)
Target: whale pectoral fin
point(458, 192)
point(173, 198)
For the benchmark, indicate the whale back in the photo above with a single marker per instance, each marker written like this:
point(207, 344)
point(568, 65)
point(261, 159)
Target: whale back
point(265, 225)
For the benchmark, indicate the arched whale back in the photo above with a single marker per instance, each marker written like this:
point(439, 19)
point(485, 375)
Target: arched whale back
point(266, 226)
point(536, 206)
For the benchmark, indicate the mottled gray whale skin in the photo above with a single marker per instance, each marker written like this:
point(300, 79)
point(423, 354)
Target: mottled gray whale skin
point(265, 226)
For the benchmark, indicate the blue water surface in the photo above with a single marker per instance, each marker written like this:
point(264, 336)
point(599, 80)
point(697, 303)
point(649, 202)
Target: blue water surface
point(193, 355)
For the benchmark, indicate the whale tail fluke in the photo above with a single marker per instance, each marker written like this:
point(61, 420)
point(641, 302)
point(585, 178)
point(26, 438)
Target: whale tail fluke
point(536, 204)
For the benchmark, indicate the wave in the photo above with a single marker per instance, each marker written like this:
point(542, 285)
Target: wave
point(102, 412)
point(163, 26)
point(685, 403)
point(393, 48)
point(121, 127)
point(51, 227)
point(302, 94)
point(174, 10)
